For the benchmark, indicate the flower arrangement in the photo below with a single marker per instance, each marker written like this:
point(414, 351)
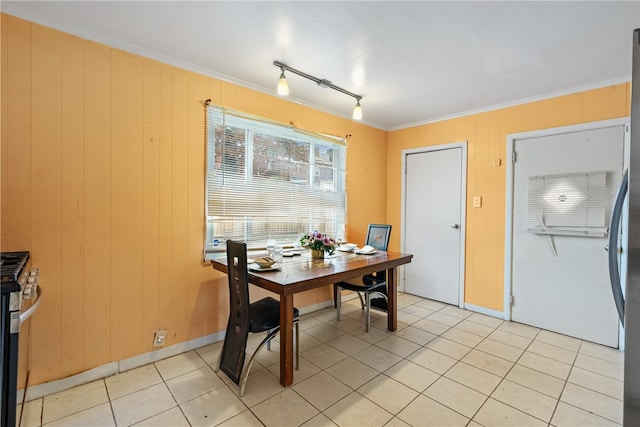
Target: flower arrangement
point(318, 242)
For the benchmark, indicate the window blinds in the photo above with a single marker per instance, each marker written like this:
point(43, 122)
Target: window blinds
point(269, 181)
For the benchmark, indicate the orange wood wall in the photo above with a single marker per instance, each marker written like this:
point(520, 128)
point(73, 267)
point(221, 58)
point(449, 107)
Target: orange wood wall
point(102, 162)
point(486, 134)
point(102, 159)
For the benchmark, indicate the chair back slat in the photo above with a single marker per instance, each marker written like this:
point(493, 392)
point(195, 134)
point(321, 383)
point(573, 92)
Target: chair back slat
point(378, 237)
point(235, 339)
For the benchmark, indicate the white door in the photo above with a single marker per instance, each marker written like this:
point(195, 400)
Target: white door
point(560, 282)
point(434, 216)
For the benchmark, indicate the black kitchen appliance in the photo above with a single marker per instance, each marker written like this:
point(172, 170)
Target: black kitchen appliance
point(18, 283)
point(626, 284)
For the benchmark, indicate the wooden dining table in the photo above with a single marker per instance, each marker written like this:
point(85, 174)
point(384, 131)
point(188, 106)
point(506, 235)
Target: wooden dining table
point(301, 273)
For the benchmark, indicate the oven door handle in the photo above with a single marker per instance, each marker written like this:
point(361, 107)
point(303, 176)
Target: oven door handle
point(28, 312)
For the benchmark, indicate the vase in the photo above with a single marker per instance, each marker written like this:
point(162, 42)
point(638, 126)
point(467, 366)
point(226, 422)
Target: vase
point(317, 254)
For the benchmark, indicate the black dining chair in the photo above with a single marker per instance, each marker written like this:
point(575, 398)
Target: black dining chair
point(245, 317)
point(372, 286)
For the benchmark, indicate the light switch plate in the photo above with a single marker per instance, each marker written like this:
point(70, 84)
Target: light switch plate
point(477, 201)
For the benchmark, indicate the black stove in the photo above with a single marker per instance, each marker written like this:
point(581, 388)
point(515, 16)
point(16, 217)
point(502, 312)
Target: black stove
point(12, 265)
point(17, 282)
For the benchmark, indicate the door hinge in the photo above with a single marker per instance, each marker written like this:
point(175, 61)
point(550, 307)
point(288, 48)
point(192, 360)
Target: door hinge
point(511, 300)
point(514, 157)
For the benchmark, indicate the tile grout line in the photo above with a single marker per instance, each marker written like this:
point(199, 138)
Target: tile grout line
point(577, 385)
point(471, 419)
point(113, 413)
point(178, 405)
point(384, 374)
point(564, 386)
point(436, 336)
point(504, 378)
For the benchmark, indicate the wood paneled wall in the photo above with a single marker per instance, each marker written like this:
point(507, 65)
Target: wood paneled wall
point(486, 134)
point(102, 160)
point(102, 168)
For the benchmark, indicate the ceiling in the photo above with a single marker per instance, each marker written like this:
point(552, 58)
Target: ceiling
point(412, 62)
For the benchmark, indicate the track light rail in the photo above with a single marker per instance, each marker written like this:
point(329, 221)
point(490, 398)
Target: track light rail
point(319, 82)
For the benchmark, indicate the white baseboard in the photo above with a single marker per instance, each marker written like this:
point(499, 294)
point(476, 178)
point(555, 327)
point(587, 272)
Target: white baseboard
point(315, 307)
point(484, 310)
point(112, 368)
point(172, 350)
point(40, 390)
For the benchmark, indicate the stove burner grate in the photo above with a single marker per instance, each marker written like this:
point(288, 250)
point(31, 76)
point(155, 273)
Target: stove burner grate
point(12, 264)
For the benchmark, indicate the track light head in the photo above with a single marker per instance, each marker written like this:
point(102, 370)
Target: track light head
point(283, 85)
point(357, 111)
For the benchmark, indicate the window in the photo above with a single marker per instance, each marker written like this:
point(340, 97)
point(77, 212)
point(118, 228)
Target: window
point(269, 181)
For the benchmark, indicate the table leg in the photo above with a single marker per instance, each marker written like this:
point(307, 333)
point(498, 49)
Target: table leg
point(392, 299)
point(286, 340)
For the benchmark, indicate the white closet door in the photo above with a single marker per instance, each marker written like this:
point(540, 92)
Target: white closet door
point(561, 282)
point(433, 220)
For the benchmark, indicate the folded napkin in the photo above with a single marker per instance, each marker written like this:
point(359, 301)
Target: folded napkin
point(366, 250)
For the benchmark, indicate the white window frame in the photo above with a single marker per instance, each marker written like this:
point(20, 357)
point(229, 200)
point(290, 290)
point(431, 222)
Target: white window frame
point(309, 206)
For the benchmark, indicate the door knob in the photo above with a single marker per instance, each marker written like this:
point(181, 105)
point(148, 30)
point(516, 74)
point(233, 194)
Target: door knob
point(455, 225)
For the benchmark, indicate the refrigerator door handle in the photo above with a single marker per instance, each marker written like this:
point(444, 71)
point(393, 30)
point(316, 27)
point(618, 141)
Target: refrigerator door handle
point(614, 232)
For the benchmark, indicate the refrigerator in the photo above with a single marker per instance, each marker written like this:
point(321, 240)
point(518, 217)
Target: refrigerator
point(628, 300)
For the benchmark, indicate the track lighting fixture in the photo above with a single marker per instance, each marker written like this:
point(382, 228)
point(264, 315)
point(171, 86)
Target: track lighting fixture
point(283, 86)
point(357, 111)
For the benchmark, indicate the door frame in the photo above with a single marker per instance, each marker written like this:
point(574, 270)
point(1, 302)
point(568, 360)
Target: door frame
point(463, 206)
point(508, 233)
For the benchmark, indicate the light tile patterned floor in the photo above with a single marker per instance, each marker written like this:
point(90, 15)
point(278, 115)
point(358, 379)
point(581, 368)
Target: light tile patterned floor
point(444, 366)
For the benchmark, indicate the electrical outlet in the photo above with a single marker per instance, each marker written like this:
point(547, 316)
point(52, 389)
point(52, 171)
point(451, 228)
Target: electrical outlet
point(159, 338)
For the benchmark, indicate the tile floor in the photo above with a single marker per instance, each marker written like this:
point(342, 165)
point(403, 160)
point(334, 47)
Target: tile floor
point(443, 366)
